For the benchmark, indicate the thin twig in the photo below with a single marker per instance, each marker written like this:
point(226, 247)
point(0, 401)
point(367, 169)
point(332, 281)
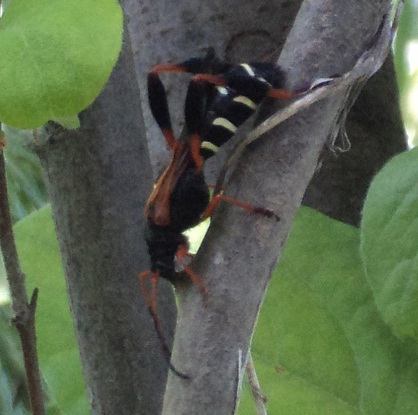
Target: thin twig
point(259, 398)
point(26, 328)
point(24, 313)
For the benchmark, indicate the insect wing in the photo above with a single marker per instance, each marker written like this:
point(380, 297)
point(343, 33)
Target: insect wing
point(158, 205)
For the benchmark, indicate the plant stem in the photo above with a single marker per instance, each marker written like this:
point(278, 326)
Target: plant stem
point(259, 398)
point(24, 313)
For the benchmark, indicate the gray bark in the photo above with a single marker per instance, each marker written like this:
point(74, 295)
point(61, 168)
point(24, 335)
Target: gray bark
point(168, 31)
point(99, 178)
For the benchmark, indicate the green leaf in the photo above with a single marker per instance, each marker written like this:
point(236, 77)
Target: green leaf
point(56, 56)
point(13, 394)
point(390, 243)
point(57, 346)
point(321, 346)
point(407, 32)
point(26, 188)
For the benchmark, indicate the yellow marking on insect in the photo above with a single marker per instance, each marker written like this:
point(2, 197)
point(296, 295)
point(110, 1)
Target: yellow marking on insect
point(263, 80)
point(222, 90)
point(248, 69)
point(245, 101)
point(223, 122)
point(207, 145)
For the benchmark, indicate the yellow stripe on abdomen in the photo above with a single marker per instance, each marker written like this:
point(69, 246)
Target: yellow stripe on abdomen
point(223, 122)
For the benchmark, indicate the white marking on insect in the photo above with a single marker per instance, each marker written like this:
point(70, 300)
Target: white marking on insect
point(207, 145)
point(222, 90)
point(245, 101)
point(263, 80)
point(223, 122)
point(248, 69)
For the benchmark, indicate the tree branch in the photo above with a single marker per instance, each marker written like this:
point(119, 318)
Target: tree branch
point(24, 313)
point(98, 178)
point(240, 251)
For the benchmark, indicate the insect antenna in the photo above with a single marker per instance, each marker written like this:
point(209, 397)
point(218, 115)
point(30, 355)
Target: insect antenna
point(164, 345)
point(151, 301)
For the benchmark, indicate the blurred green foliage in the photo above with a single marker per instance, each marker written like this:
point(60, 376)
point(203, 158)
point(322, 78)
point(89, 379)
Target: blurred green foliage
point(13, 392)
point(338, 331)
point(390, 243)
point(407, 35)
point(26, 187)
point(57, 347)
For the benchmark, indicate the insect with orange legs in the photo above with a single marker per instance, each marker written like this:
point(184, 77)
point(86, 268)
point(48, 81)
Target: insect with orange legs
point(219, 99)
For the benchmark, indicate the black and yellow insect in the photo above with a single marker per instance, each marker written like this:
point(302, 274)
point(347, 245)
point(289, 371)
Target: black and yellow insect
point(220, 97)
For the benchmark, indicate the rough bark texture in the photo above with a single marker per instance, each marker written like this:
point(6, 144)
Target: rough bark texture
point(99, 178)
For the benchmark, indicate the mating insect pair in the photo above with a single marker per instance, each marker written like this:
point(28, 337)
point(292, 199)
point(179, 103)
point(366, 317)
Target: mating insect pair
point(220, 97)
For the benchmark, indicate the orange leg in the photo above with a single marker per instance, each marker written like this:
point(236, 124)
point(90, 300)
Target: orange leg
point(212, 79)
point(169, 137)
point(142, 279)
point(168, 68)
point(213, 204)
point(154, 281)
point(183, 252)
point(151, 300)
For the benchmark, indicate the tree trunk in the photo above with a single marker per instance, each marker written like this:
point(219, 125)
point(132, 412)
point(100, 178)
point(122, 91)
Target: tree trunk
point(99, 178)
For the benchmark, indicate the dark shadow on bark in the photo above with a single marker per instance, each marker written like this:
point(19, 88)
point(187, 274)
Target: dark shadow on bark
point(375, 130)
